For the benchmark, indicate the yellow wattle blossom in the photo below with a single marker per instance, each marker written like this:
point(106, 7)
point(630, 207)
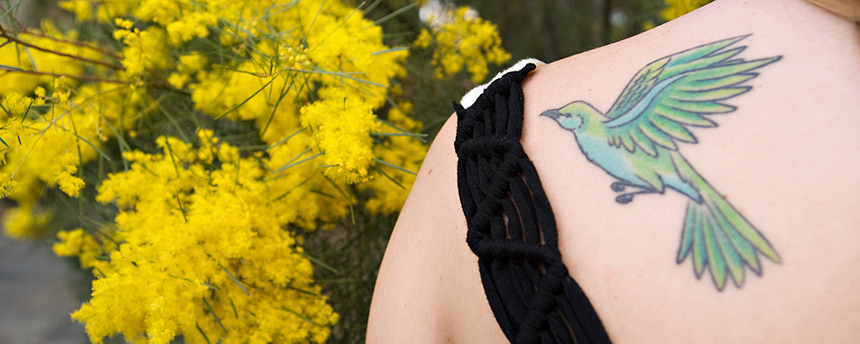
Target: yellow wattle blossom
point(341, 128)
point(200, 239)
point(37, 60)
point(7, 184)
point(144, 50)
point(219, 135)
point(388, 184)
point(22, 222)
point(472, 42)
point(79, 243)
point(677, 8)
point(193, 25)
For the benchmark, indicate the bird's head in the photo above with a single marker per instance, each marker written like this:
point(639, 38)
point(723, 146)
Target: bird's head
point(572, 116)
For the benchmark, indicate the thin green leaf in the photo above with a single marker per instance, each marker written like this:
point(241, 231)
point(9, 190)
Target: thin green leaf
point(395, 13)
point(389, 177)
point(283, 94)
point(301, 316)
point(319, 262)
point(305, 35)
point(337, 281)
point(121, 143)
point(389, 51)
point(94, 147)
point(212, 311)
point(9, 114)
point(181, 208)
point(13, 8)
point(173, 121)
point(4, 142)
point(27, 112)
point(371, 7)
point(12, 68)
point(394, 166)
point(290, 190)
point(302, 291)
point(344, 194)
point(233, 305)
point(247, 99)
point(357, 8)
point(297, 163)
point(337, 74)
point(202, 333)
point(286, 138)
point(235, 280)
point(32, 60)
point(415, 135)
point(172, 157)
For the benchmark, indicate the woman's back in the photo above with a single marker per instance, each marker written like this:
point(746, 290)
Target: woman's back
point(784, 159)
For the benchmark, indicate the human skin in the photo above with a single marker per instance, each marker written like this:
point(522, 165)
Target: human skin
point(786, 159)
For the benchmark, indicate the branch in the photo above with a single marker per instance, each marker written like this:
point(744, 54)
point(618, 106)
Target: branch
point(6, 35)
point(75, 43)
point(79, 77)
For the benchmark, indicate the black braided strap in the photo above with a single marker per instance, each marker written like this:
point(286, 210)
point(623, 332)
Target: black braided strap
point(512, 228)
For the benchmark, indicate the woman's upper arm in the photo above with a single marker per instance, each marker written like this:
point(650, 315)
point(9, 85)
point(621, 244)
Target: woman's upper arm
point(429, 287)
point(405, 300)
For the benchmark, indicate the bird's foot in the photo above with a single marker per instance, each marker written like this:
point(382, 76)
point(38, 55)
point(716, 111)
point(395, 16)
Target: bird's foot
point(618, 186)
point(628, 197)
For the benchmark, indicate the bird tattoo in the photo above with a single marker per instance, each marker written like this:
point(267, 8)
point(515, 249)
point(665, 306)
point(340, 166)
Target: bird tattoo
point(636, 142)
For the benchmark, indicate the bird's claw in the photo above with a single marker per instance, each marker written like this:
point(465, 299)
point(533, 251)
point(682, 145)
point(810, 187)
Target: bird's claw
point(617, 186)
point(625, 198)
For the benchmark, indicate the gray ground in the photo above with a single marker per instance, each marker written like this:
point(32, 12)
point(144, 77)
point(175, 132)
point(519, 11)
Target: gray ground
point(38, 291)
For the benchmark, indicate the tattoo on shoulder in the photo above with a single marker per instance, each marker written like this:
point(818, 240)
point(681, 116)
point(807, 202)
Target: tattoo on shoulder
point(636, 142)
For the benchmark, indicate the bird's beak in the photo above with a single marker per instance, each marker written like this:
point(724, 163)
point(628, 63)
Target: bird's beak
point(551, 113)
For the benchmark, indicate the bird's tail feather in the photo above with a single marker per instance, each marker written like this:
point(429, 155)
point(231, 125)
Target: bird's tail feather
point(718, 236)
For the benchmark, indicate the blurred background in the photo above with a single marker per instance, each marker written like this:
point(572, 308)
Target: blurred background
point(37, 294)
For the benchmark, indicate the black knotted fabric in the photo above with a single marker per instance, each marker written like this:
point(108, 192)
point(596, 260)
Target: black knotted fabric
point(511, 226)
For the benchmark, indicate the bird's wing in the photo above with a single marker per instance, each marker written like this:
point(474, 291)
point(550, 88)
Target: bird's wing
point(678, 91)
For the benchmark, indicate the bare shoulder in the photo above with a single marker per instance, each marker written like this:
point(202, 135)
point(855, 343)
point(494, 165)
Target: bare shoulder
point(429, 288)
point(704, 184)
point(739, 232)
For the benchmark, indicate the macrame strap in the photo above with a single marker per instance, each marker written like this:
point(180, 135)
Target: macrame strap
point(512, 228)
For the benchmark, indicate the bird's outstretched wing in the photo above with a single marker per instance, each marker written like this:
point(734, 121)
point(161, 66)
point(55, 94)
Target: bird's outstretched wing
point(677, 91)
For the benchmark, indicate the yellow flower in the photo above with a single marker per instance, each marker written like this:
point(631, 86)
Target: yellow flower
point(123, 23)
point(204, 242)
point(22, 222)
point(194, 242)
point(144, 50)
point(341, 127)
point(193, 25)
point(70, 184)
point(677, 8)
point(470, 41)
point(424, 39)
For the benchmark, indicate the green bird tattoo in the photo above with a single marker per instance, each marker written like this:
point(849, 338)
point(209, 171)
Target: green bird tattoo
point(636, 143)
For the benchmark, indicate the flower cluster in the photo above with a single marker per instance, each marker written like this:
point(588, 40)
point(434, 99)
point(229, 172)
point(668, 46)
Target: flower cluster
point(464, 40)
point(199, 143)
point(677, 8)
point(204, 251)
point(206, 237)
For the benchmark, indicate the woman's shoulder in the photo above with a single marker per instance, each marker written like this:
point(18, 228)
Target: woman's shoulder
point(429, 289)
point(783, 157)
point(752, 103)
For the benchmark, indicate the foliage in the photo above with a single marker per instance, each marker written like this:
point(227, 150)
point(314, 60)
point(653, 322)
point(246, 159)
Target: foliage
point(677, 8)
point(460, 40)
point(184, 150)
point(188, 152)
